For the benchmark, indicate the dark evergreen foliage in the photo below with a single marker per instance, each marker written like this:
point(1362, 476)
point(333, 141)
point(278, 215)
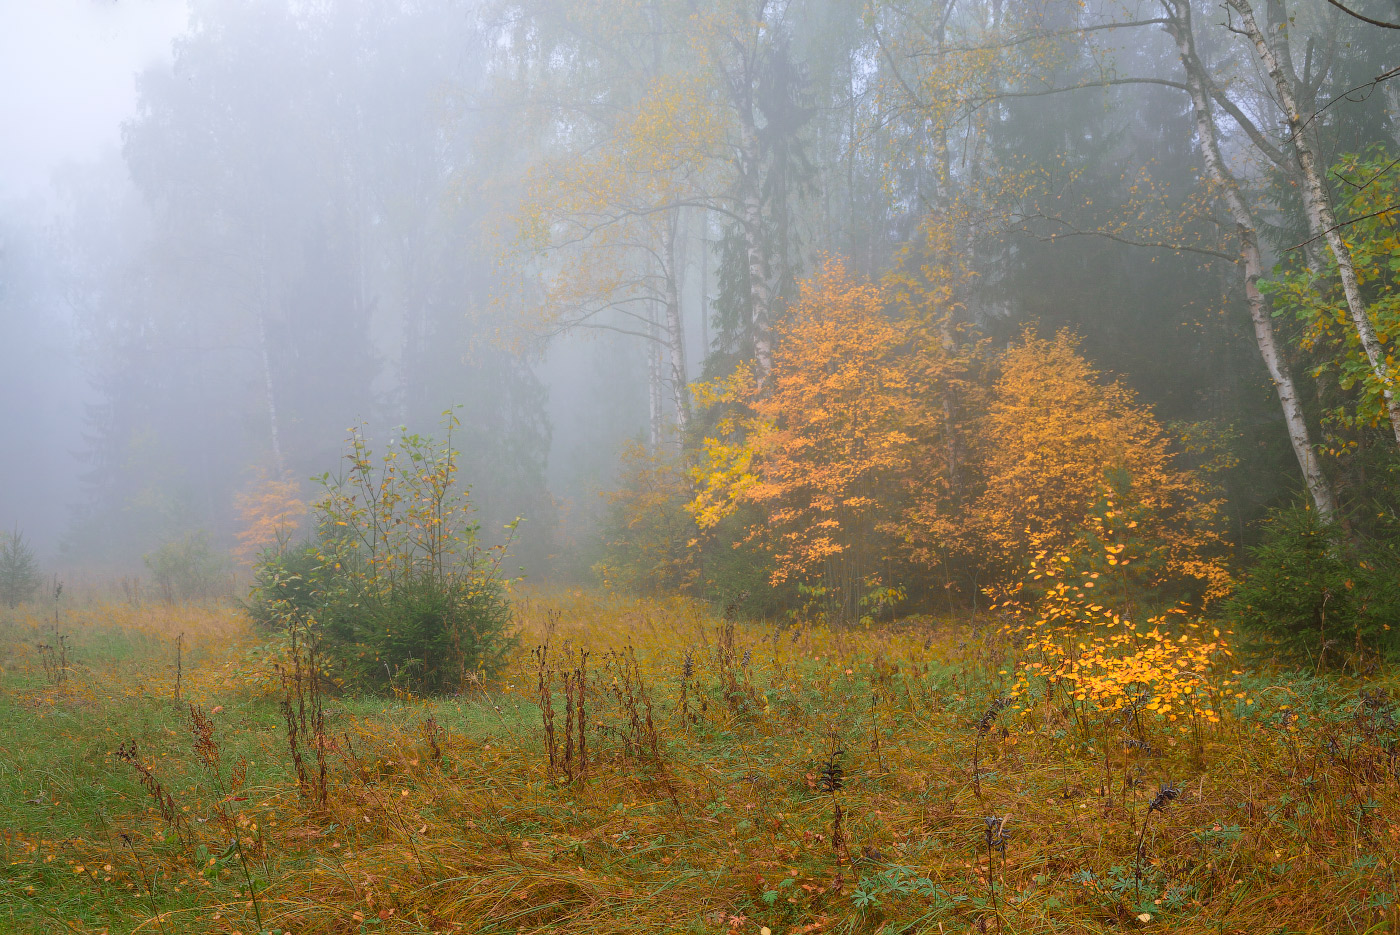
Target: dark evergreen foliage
point(1312, 594)
point(19, 570)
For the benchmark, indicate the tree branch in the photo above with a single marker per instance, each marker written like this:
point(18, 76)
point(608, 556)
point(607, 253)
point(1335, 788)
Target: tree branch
point(1365, 19)
point(1362, 186)
point(1346, 95)
point(1106, 82)
point(1074, 232)
point(1337, 227)
point(1256, 136)
point(1032, 36)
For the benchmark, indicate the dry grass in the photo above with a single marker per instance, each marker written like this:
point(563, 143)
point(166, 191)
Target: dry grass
point(709, 815)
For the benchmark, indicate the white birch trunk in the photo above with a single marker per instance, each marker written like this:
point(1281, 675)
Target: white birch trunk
point(1179, 25)
point(675, 323)
point(1322, 221)
point(654, 407)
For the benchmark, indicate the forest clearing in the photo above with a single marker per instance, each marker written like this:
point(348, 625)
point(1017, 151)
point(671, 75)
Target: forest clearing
point(740, 467)
point(697, 775)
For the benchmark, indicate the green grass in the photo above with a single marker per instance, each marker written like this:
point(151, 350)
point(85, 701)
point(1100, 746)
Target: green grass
point(1285, 819)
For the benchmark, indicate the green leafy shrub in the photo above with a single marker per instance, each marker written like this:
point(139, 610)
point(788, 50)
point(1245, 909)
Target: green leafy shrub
point(289, 584)
point(425, 633)
point(1314, 595)
point(396, 591)
point(188, 569)
point(19, 572)
point(733, 571)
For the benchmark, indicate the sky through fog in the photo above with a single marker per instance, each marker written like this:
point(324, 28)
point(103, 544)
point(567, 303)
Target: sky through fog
point(67, 72)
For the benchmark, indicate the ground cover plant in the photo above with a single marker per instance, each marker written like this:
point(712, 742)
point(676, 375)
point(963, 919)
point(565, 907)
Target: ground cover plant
point(651, 765)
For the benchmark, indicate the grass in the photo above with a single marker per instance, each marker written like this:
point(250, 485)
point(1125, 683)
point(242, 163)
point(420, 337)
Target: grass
point(708, 808)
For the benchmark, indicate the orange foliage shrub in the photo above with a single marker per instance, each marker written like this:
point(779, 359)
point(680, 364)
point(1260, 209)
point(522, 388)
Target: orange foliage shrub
point(879, 440)
point(831, 440)
point(1171, 671)
point(269, 509)
point(1072, 463)
point(950, 369)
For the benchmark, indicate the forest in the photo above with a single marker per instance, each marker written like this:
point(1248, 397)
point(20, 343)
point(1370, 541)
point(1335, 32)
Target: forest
point(757, 467)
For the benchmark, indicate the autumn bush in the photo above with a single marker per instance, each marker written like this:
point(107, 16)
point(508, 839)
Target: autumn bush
point(825, 447)
point(1081, 649)
point(396, 591)
point(887, 457)
point(1072, 462)
point(271, 510)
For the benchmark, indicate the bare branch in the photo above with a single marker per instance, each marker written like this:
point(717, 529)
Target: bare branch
point(1032, 36)
point(1256, 136)
point(1365, 19)
point(1106, 82)
point(1368, 87)
point(564, 328)
point(1337, 227)
point(1160, 245)
point(899, 76)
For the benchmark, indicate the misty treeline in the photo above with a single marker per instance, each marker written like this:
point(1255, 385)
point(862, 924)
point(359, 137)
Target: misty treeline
point(564, 215)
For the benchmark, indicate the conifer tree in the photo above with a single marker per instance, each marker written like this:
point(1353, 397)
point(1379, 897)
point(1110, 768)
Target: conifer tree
point(19, 571)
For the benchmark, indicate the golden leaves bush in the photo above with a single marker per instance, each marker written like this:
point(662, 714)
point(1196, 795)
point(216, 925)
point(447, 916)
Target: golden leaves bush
point(270, 509)
point(1073, 462)
point(1167, 669)
point(824, 444)
point(885, 446)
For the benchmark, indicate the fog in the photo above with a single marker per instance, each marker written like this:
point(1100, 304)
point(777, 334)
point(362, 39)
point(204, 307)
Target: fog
point(231, 231)
point(69, 67)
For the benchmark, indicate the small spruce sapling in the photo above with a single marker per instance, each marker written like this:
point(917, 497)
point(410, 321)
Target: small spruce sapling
point(19, 570)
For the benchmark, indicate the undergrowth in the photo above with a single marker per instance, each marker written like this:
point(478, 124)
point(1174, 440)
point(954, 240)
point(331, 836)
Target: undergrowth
point(646, 766)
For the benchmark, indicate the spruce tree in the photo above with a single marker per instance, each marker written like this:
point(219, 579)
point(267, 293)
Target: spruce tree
point(19, 572)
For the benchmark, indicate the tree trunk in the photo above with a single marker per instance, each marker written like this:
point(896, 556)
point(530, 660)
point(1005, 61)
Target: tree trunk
point(704, 286)
point(274, 431)
point(654, 407)
point(1322, 221)
point(760, 295)
point(263, 301)
point(675, 323)
point(1179, 26)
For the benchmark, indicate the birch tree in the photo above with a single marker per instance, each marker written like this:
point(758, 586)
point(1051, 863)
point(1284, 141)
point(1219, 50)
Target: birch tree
point(1200, 89)
point(1276, 59)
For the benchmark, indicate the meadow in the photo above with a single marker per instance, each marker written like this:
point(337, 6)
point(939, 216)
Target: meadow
point(651, 766)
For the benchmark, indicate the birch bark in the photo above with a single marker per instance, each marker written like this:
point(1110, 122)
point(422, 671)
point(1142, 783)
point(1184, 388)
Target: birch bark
point(675, 323)
point(1251, 261)
point(1322, 221)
